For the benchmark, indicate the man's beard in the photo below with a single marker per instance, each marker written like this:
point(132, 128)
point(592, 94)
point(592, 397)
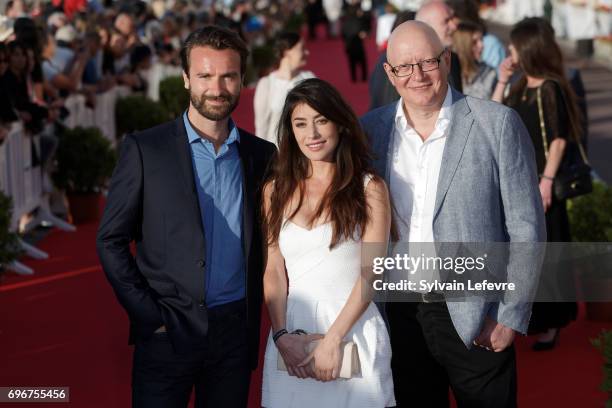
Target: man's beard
point(215, 113)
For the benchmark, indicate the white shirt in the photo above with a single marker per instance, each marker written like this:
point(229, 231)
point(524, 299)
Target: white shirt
point(412, 5)
point(384, 24)
point(269, 100)
point(414, 173)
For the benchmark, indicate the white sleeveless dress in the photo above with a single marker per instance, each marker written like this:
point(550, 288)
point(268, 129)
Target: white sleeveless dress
point(320, 282)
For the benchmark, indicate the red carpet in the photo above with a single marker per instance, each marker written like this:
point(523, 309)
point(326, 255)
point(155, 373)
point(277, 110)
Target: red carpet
point(63, 326)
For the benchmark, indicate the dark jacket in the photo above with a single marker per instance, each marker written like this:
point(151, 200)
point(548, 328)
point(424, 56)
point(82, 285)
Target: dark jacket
point(153, 201)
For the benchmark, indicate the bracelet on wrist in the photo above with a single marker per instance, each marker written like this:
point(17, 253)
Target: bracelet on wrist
point(279, 334)
point(547, 177)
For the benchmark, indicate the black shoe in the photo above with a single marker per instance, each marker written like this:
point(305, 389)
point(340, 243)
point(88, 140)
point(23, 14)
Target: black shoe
point(546, 345)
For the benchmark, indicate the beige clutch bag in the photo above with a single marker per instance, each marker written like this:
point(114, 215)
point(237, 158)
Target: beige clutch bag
point(349, 359)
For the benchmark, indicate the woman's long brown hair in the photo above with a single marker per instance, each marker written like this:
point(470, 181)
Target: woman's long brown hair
point(344, 202)
point(463, 46)
point(540, 57)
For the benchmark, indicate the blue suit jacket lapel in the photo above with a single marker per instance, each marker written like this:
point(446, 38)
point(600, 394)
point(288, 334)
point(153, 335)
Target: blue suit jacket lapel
point(381, 144)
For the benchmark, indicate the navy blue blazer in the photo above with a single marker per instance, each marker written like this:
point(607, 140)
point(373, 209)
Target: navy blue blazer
point(153, 202)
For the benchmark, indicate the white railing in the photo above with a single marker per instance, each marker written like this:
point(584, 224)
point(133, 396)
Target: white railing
point(23, 182)
point(573, 20)
point(101, 116)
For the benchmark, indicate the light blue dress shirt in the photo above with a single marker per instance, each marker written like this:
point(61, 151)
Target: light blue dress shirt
point(218, 179)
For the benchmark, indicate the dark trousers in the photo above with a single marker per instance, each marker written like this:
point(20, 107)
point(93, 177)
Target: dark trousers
point(429, 357)
point(219, 372)
point(312, 21)
point(358, 60)
point(356, 55)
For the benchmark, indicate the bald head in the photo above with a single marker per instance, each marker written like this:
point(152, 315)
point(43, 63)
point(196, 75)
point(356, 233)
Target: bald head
point(441, 18)
point(410, 35)
point(418, 65)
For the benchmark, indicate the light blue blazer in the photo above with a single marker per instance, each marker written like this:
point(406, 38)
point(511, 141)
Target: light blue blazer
point(487, 192)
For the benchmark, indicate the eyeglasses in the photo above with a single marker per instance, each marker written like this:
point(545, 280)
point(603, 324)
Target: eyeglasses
point(427, 65)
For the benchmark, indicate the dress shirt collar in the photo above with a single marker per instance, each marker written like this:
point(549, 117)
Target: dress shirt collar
point(192, 135)
point(442, 122)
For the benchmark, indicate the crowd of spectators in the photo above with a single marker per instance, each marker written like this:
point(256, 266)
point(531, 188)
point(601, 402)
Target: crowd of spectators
point(51, 51)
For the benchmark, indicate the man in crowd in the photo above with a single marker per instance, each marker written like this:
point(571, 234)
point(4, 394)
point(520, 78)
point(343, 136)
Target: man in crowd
point(439, 16)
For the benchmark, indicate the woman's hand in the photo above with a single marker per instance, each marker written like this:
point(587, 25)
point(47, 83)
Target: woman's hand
point(57, 103)
point(326, 358)
point(25, 116)
point(292, 348)
point(506, 69)
point(546, 192)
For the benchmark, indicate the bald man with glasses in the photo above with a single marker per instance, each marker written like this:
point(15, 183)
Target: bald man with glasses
point(459, 169)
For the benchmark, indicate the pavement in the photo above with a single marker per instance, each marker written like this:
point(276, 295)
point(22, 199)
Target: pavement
point(597, 78)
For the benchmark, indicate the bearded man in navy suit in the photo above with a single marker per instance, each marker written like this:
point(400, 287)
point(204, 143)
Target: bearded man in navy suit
point(187, 193)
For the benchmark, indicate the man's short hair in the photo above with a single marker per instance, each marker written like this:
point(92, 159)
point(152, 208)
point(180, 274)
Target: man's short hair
point(217, 38)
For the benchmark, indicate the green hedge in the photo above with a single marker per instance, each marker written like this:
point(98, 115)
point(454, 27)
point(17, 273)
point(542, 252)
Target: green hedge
point(262, 59)
point(591, 215)
point(136, 112)
point(603, 343)
point(173, 95)
point(85, 160)
point(9, 245)
point(295, 22)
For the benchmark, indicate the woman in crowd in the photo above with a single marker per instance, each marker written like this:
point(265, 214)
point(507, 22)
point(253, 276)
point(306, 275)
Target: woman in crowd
point(543, 92)
point(140, 64)
point(7, 111)
point(478, 78)
point(272, 89)
point(493, 50)
point(15, 82)
point(322, 205)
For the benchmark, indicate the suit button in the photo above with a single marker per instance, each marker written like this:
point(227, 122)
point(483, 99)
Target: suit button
point(201, 263)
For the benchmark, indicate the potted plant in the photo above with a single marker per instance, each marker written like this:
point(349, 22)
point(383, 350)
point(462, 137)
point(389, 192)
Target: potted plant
point(85, 161)
point(295, 22)
point(137, 112)
point(603, 343)
point(591, 215)
point(9, 244)
point(591, 221)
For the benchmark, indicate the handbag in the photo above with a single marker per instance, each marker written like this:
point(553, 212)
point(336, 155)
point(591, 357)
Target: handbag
point(349, 360)
point(574, 179)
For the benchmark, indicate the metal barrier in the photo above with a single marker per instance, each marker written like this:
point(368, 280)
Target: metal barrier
point(18, 170)
point(23, 181)
point(103, 114)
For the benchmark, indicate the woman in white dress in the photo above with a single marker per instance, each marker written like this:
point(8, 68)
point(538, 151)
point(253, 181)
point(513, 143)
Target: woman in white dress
point(272, 89)
point(322, 206)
